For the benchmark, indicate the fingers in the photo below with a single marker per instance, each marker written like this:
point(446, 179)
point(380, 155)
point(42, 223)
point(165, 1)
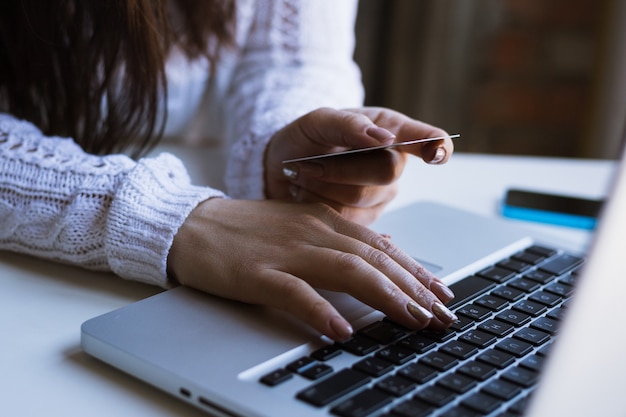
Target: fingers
point(381, 167)
point(293, 295)
point(330, 128)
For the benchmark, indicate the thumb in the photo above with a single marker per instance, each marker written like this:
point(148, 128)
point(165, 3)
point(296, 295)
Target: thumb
point(331, 128)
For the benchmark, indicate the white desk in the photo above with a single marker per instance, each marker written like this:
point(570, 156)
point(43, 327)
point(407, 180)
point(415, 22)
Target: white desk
point(44, 372)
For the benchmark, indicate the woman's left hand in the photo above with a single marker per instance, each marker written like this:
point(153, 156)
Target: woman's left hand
point(357, 186)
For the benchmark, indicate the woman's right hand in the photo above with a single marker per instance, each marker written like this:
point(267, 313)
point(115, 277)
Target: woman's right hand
point(277, 253)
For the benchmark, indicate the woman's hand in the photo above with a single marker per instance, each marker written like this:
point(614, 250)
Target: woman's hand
point(276, 253)
point(357, 186)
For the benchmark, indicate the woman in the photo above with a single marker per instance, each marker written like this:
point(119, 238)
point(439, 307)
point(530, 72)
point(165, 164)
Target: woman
point(269, 78)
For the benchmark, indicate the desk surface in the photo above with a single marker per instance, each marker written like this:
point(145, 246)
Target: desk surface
point(44, 371)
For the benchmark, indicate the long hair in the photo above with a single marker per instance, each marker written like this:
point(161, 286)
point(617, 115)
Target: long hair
point(94, 70)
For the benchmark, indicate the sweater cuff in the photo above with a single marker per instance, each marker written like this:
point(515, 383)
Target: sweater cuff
point(245, 171)
point(146, 213)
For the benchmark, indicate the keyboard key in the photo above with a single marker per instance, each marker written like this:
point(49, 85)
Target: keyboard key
point(396, 354)
point(521, 376)
point(529, 257)
point(362, 404)
point(359, 345)
point(545, 298)
point(491, 302)
point(497, 358)
point(418, 343)
point(462, 324)
point(440, 361)
point(542, 250)
point(317, 371)
point(396, 385)
point(459, 349)
point(530, 307)
point(515, 347)
point(457, 382)
point(478, 338)
point(545, 324)
point(326, 352)
point(541, 277)
point(474, 312)
point(569, 279)
point(412, 408)
point(497, 274)
point(502, 389)
point(299, 364)
point(496, 327)
point(276, 377)
point(508, 293)
point(418, 372)
point(333, 387)
point(468, 288)
point(460, 411)
point(482, 403)
point(561, 289)
point(533, 336)
point(561, 264)
point(557, 314)
point(514, 265)
point(436, 395)
point(374, 366)
point(533, 362)
point(516, 318)
point(477, 370)
point(523, 284)
point(439, 335)
point(384, 332)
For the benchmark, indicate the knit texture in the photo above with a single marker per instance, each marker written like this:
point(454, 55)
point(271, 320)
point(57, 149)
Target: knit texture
point(111, 213)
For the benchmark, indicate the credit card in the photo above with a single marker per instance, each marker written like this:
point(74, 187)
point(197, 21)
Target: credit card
point(373, 148)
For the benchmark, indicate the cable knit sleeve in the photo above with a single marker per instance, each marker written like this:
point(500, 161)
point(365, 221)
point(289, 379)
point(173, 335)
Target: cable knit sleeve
point(296, 57)
point(103, 213)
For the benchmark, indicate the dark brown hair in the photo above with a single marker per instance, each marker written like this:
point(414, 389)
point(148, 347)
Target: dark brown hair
point(94, 69)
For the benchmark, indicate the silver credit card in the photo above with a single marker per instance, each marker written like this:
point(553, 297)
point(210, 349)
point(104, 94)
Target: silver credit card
point(373, 148)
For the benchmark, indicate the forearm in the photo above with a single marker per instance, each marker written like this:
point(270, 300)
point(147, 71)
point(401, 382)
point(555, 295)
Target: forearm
point(103, 213)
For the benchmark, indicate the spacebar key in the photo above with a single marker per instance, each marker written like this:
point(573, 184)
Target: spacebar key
point(334, 387)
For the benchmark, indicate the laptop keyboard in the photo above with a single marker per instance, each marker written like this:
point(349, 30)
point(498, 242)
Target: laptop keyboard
point(486, 364)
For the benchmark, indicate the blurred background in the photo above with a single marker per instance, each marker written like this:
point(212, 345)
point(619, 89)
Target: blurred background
point(524, 77)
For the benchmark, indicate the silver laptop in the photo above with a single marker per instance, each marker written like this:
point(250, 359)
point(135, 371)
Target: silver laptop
point(523, 344)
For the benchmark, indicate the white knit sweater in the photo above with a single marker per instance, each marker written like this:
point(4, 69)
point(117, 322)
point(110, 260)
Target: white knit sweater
point(115, 214)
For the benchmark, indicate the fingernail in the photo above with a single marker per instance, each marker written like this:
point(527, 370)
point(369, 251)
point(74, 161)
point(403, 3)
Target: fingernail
point(441, 289)
point(379, 133)
point(418, 312)
point(290, 171)
point(440, 154)
point(342, 329)
point(443, 313)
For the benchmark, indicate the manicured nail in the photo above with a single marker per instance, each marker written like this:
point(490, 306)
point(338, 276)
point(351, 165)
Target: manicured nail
point(341, 327)
point(440, 154)
point(290, 171)
point(443, 313)
point(379, 133)
point(440, 288)
point(418, 312)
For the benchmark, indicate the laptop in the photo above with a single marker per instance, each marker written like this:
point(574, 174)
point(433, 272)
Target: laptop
point(539, 333)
